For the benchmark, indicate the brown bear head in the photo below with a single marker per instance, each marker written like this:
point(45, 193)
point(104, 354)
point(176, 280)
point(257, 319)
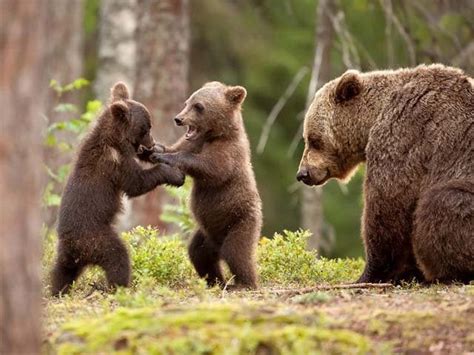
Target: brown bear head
point(333, 147)
point(212, 111)
point(132, 117)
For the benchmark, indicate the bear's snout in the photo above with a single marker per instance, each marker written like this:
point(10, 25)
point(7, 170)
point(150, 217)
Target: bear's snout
point(313, 177)
point(303, 175)
point(178, 121)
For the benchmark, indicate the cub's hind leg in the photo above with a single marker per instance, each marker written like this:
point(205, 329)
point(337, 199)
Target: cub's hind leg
point(239, 252)
point(65, 271)
point(204, 256)
point(111, 254)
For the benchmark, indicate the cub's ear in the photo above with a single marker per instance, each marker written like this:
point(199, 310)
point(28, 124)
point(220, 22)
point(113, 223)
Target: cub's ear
point(349, 86)
point(119, 92)
point(120, 111)
point(236, 94)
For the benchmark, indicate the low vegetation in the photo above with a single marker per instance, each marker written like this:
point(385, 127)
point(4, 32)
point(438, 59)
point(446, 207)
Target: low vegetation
point(169, 310)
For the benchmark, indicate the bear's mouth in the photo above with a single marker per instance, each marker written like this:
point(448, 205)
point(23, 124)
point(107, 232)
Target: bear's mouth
point(323, 180)
point(311, 181)
point(191, 133)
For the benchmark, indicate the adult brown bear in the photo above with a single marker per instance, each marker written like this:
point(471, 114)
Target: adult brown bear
point(414, 128)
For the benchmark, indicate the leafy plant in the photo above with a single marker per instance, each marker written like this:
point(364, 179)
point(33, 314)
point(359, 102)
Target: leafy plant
point(162, 258)
point(180, 214)
point(63, 136)
point(285, 260)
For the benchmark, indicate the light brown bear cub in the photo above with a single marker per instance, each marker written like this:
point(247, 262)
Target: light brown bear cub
point(215, 152)
point(415, 129)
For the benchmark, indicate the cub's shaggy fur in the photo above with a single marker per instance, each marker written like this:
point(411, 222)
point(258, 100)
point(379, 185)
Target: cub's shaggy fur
point(104, 170)
point(225, 202)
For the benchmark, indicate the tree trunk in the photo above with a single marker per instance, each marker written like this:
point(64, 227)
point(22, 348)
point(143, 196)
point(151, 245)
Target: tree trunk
point(311, 206)
point(65, 57)
point(161, 81)
point(117, 61)
point(65, 49)
point(117, 47)
point(23, 91)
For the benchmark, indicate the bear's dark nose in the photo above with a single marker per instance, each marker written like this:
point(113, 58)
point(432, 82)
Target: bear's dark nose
point(302, 175)
point(178, 121)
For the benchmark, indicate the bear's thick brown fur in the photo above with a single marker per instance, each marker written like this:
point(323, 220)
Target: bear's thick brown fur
point(225, 201)
point(105, 169)
point(415, 130)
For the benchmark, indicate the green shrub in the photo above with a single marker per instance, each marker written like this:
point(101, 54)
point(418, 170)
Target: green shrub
point(163, 258)
point(339, 270)
point(284, 260)
point(163, 261)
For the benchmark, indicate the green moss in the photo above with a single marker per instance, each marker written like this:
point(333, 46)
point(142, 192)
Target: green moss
point(211, 329)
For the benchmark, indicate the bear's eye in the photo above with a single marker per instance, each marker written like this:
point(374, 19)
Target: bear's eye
point(315, 144)
point(198, 107)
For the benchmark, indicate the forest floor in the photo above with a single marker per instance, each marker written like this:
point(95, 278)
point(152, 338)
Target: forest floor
point(282, 317)
point(436, 319)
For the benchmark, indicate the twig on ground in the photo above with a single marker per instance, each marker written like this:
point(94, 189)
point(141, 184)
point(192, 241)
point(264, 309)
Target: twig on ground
point(302, 291)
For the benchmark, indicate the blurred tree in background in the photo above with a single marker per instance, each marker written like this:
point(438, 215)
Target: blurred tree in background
point(23, 97)
point(269, 47)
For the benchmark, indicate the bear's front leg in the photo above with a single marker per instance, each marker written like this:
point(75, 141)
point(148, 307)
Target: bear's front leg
point(386, 230)
point(144, 153)
point(189, 163)
point(165, 158)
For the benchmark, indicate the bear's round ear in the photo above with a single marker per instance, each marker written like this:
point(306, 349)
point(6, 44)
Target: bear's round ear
point(119, 92)
point(348, 87)
point(120, 111)
point(236, 94)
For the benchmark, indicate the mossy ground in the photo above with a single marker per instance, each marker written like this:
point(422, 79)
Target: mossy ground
point(169, 310)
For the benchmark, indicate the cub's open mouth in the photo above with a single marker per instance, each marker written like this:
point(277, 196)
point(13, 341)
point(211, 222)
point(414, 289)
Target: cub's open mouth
point(191, 133)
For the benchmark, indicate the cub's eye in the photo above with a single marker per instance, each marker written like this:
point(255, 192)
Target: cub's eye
point(315, 144)
point(198, 107)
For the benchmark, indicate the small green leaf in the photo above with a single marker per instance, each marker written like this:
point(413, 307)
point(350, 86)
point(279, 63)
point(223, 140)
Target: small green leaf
point(76, 85)
point(57, 126)
point(50, 140)
point(66, 107)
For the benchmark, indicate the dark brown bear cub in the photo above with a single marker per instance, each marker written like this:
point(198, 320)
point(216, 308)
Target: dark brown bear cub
point(215, 151)
point(105, 169)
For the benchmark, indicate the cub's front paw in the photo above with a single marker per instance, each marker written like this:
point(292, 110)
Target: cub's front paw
point(161, 158)
point(144, 153)
point(174, 176)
